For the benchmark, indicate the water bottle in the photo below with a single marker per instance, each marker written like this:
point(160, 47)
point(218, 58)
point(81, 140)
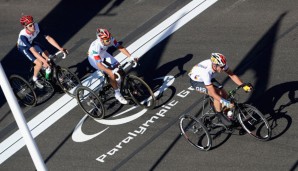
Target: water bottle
point(48, 72)
point(230, 114)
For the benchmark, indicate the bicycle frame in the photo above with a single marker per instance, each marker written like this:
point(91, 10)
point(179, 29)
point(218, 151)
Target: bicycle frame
point(105, 86)
point(53, 66)
point(211, 111)
point(130, 88)
point(200, 130)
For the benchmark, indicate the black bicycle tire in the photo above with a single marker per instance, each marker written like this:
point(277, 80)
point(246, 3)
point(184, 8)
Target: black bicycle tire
point(60, 83)
point(148, 88)
point(209, 140)
point(80, 88)
point(256, 111)
point(34, 101)
point(47, 87)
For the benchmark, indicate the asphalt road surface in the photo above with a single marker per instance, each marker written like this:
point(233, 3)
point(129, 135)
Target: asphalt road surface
point(259, 39)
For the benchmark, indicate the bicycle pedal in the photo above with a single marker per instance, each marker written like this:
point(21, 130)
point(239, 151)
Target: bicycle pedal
point(229, 130)
point(131, 103)
point(242, 131)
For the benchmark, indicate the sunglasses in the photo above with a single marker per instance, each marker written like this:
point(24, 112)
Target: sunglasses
point(222, 67)
point(30, 25)
point(106, 40)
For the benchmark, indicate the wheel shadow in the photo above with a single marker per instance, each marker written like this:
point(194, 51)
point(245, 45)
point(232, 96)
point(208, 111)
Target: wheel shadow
point(13, 61)
point(158, 81)
point(275, 104)
point(219, 137)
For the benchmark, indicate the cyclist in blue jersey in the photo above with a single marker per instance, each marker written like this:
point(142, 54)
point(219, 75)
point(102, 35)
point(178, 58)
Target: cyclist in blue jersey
point(33, 50)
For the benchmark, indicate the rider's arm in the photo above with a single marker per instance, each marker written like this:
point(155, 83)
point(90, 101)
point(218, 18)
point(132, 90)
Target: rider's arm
point(25, 40)
point(120, 47)
point(234, 77)
point(212, 92)
point(124, 51)
point(53, 42)
point(50, 39)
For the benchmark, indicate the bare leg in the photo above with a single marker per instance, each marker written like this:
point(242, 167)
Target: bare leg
point(45, 54)
point(217, 104)
point(113, 82)
point(37, 67)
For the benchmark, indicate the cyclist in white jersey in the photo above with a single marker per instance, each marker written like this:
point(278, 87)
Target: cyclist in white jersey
point(33, 50)
point(202, 79)
point(100, 59)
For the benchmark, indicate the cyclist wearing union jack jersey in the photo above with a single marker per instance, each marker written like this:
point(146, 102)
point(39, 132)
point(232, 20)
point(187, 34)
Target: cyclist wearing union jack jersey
point(27, 45)
point(100, 59)
point(202, 79)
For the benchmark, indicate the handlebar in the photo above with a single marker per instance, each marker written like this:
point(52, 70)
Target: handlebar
point(120, 67)
point(134, 64)
point(59, 54)
point(115, 71)
point(233, 92)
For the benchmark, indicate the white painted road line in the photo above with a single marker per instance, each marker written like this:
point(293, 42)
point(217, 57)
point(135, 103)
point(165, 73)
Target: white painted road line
point(66, 103)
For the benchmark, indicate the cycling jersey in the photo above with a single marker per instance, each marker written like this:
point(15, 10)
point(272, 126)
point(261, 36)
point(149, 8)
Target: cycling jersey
point(26, 41)
point(203, 72)
point(97, 53)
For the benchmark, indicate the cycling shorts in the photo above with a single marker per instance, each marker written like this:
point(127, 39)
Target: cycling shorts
point(107, 60)
point(25, 51)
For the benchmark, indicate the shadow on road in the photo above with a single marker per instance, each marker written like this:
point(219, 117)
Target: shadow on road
point(279, 118)
point(59, 24)
point(259, 60)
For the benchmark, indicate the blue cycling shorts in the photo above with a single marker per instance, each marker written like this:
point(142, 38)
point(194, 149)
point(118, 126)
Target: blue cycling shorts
point(25, 51)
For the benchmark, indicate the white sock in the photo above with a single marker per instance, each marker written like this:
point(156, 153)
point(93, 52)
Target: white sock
point(34, 78)
point(117, 92)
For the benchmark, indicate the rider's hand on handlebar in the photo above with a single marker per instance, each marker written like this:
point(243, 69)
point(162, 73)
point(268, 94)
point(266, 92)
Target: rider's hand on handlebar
point(226, 103)
point(247, 87)
point(45, 64)
point(65, 51)
point(115, 70)
point(134, 61)
point(117, 75)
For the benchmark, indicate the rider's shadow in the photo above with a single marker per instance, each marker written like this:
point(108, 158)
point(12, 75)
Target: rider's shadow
point(275, 109)
point(111, 104)
point(155, 81)
point(83, 69)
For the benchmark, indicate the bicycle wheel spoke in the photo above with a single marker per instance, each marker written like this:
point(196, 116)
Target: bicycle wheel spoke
point(90, 102)
point(23, 91)
point(46, 92)
point(67, 80)
point(254, 123)
point(195, 133)
point(141, 92)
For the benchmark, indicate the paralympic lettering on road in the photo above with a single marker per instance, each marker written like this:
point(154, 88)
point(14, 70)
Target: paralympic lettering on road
point(65, 104)
point(79, 136)
point(142, 129)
